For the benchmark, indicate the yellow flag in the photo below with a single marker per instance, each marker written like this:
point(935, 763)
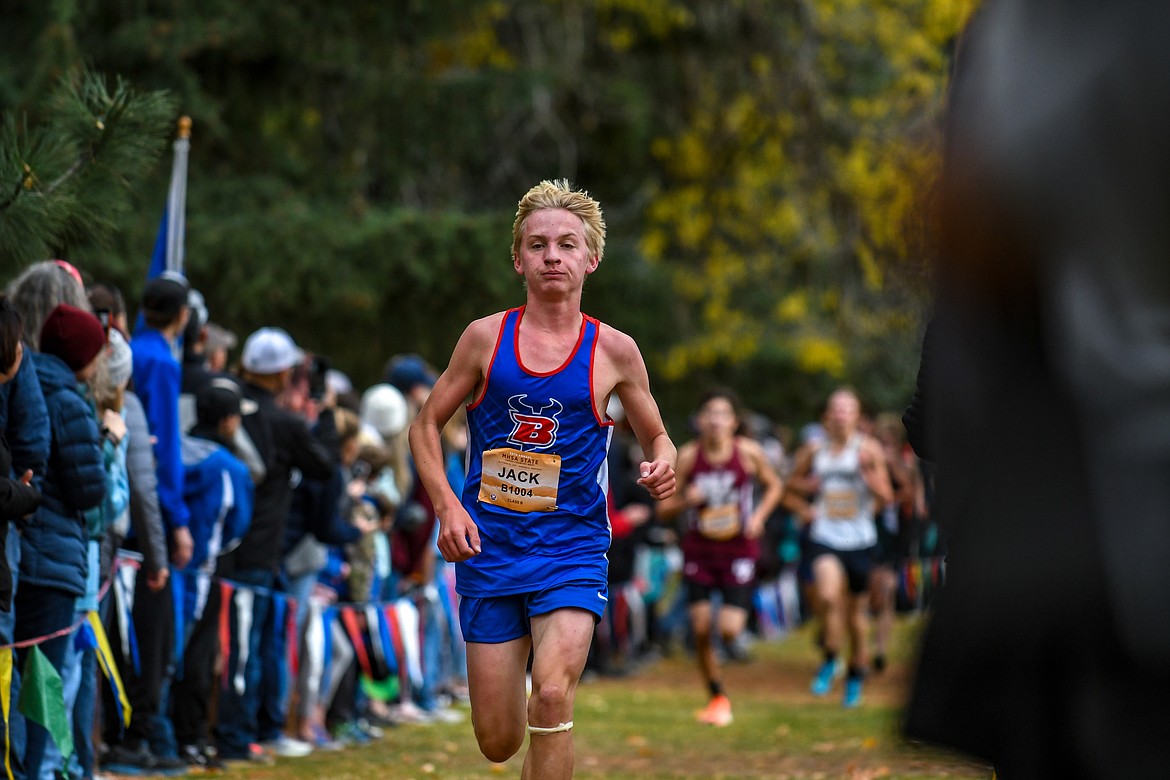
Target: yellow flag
point(6, 703)
point(109, 668)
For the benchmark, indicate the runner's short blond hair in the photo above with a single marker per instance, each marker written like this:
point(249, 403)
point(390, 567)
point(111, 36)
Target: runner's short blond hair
point(559, 194)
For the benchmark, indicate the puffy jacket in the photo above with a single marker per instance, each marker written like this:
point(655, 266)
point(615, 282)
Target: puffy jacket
point(24, 420)
point(53, 547)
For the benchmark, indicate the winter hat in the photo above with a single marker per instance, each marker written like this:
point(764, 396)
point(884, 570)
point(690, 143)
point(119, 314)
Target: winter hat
point(72, 334)
point(121, 361)
point(383, 408)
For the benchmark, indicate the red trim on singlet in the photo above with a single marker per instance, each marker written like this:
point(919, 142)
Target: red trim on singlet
point(492, 362)
point(592, 359)
point(562, 367)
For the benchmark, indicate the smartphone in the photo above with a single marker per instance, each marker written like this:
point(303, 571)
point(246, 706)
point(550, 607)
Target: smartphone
point(317, 375)
point(106, 318)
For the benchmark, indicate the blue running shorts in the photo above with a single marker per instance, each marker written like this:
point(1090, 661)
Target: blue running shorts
point(496, 619)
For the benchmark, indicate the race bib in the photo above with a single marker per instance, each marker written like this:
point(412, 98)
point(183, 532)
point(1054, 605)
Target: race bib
point(841, 504)
point(719, 522)
point(520, 481)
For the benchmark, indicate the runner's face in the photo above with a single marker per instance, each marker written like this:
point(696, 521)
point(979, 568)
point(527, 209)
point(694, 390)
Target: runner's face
point(842, 415)
point(553, 255)
point(717, 420)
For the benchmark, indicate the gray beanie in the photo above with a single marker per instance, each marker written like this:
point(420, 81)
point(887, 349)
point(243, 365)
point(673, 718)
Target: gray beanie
point(121, 362)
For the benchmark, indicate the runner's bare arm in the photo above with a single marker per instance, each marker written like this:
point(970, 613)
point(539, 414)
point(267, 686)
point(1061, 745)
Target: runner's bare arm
point(801, 485)
point(676, 504)
point(625, 372)
point(874, 471)
point(769, 480)
point(458, 535)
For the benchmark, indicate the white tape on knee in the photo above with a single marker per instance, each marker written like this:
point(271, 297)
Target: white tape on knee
point(554, 730)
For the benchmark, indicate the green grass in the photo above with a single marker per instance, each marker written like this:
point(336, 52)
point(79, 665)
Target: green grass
point(642, 726)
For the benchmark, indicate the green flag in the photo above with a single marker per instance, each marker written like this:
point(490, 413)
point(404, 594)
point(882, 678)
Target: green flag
point(42, 700)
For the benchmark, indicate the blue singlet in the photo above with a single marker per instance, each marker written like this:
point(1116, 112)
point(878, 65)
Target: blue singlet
point(524, 417)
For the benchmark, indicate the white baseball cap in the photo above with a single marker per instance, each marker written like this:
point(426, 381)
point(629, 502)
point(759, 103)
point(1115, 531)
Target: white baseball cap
point(270, 351)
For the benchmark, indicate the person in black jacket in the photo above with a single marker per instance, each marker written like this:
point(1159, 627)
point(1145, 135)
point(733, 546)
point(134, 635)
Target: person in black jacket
point(256, 713)
point(1048, 394)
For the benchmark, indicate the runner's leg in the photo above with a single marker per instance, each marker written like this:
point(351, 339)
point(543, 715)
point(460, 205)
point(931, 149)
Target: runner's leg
point(560, 642)
point(832, 597)
point(700, 615)
point(496, 679)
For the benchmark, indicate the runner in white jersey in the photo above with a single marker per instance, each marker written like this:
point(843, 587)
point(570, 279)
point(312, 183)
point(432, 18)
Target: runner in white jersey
point(835, 488)
point(539, 379)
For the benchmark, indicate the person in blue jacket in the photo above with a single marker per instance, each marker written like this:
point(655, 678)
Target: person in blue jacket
point(219, 494)
point(157, 381)
point(53, 548)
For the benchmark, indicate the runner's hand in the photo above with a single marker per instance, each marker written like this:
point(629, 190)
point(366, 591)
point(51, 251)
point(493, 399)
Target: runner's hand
point(755, 527)
point(458, 535)
point(695, 495)
point(658, 478)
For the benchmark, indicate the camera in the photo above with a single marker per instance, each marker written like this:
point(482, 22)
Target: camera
point(317, 373)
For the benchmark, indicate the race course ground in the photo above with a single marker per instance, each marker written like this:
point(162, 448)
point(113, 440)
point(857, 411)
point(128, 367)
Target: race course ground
point(642, 726)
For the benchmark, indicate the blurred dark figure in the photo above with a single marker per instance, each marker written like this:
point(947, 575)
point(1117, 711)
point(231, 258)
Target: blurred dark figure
point(1047, 396)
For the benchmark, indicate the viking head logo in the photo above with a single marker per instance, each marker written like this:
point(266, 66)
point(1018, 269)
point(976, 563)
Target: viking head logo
point(533, 426)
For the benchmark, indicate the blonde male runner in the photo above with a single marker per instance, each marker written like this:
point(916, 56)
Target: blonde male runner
point(530, 532)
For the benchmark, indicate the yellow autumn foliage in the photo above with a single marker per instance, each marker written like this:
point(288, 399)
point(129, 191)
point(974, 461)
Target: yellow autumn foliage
point(796, 173)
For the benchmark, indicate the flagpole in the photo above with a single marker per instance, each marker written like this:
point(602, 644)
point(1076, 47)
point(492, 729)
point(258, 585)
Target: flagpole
point(177, 199)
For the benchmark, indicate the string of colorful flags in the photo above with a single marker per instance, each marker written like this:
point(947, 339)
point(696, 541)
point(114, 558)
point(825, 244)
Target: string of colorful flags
point(42, 696)
point(777, 602)
point(386, 636)
point(919, 578)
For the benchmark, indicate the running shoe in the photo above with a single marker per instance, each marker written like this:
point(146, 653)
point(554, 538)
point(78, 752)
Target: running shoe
point(823, 682)
point(717, 712)
point(852, 698)
point(285, 746)
point(828, 671)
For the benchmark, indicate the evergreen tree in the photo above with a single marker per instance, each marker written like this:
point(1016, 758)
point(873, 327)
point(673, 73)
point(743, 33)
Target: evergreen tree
point(67, 172)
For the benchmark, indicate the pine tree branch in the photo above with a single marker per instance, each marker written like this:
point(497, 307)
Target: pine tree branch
point(91, 146)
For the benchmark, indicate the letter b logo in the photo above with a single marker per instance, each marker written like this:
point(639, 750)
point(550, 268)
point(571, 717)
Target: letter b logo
point(531, 428)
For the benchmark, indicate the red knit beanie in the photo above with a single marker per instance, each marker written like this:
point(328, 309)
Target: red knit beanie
point(74, 335)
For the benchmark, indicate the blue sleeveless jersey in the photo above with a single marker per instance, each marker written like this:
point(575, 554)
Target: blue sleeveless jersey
point(522, 417)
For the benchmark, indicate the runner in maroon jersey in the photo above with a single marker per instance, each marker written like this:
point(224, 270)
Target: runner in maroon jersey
point(717, 475)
